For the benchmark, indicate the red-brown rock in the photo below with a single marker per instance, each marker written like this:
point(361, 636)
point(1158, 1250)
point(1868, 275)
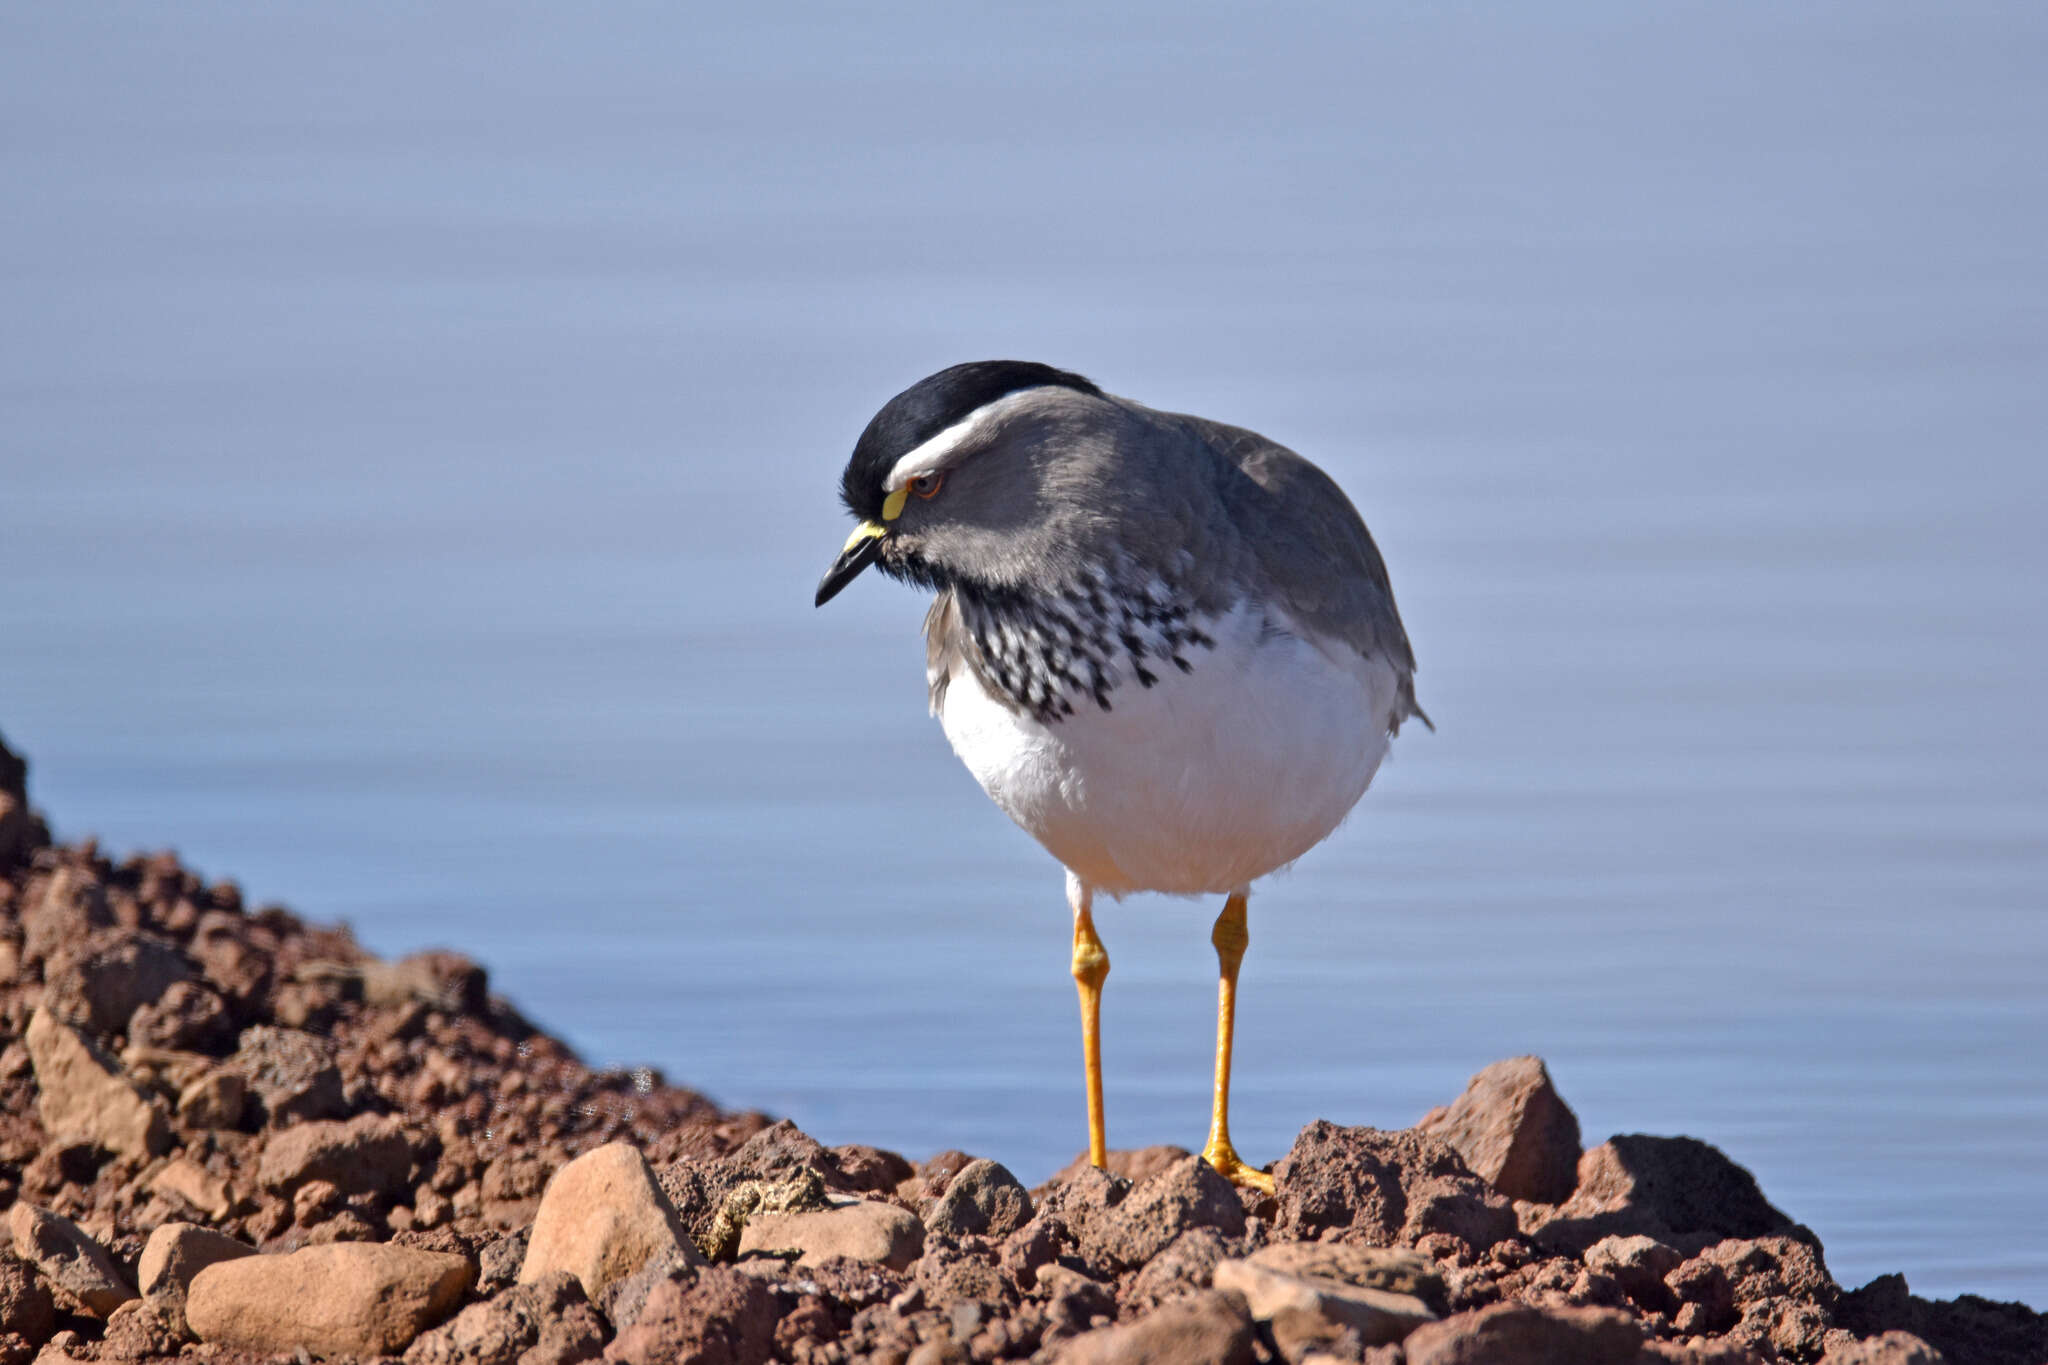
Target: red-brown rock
point(1514, 1130)
point(547, 1322)
point(602, 1219)
point(1379, 1188)
point(1638, 1265)
point(86, 1095)
point(26, 1312)
point(1968, 1329)
point(866, 1230)
point(176, 1252)
point(369, 1154)
point(290, 1073)
point(348, 1298)
point(99, 982)
point(1518, 1334)
point(1678, 1190)
point(1208, 1328)
point(66, 908)
point(1893, 1348)
point(1188, 1194)
point(188, 1016)
point(983, 1200)
point(711, 1315)
point(73, 1264)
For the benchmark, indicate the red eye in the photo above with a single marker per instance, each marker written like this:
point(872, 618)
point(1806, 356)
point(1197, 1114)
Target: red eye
point(927, 485)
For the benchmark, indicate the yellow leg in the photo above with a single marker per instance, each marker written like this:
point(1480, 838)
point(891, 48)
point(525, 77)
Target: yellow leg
point(1091, 969)
point(1230, 937)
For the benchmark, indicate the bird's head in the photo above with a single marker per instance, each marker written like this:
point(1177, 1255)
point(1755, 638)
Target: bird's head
point(988, 470)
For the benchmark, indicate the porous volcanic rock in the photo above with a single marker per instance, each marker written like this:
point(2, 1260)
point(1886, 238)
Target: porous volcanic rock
point(1185, 1195)
point(546, 1322)
point(1381, 1188)
point(28, 1316)
point(1678, 1190)
point(983, 1200)
point(714, 1315)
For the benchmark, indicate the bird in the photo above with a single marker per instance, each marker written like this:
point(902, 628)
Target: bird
point(1166, 647)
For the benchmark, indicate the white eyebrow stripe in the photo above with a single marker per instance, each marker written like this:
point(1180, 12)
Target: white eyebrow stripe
point(934, 452)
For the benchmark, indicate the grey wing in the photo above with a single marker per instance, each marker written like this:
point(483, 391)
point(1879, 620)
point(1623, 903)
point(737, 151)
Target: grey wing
point(1313, 548)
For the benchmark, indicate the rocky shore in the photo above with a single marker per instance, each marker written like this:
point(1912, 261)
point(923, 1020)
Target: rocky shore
point(228, 1135)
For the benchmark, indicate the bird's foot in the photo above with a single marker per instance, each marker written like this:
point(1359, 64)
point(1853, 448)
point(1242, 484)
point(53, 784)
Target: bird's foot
point(1221, 1155)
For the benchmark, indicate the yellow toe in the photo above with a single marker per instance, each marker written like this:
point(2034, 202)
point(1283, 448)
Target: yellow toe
point(1228, 1165)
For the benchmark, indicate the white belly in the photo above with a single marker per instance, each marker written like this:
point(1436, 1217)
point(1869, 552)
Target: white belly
point(1199, 784)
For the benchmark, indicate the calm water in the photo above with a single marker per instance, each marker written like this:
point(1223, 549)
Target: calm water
point(420, 432)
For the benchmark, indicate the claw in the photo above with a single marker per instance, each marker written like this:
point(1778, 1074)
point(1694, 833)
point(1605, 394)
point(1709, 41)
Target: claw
point(1231, 1167)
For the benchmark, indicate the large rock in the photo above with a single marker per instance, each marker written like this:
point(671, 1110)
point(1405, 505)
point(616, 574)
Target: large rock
point(1187, 1194)
point(983, 1200)
point(548, 1322)
point(72, 1263)
point(99, 983)
point(369, 1154)
point(1514, 1131)
point(714, 1315)
point(1379, 1188)
point(85, 1095)
point(176, 1252)
point(1678, 1190)
point(1209, 1328)
point(348, 1298)
point(602, 1218)
point(1518, 1334)
point(1313, 1308)
point(290, 1073)
point(858, 1229)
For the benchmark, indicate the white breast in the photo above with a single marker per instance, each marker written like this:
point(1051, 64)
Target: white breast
point(1199, 784)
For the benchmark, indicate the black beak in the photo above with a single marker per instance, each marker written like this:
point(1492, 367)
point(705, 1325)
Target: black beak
point(847, 567)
